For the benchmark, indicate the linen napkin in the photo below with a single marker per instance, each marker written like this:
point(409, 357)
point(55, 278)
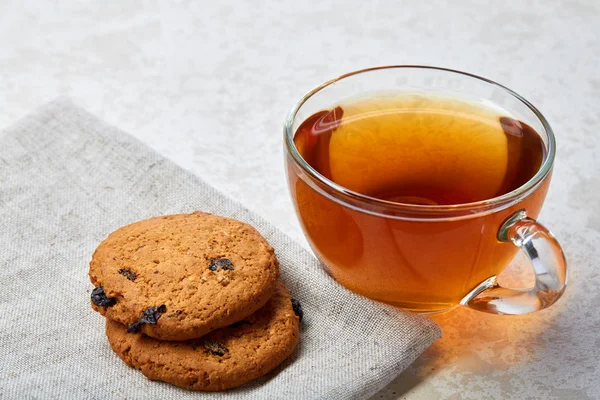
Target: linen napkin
point(66, 181)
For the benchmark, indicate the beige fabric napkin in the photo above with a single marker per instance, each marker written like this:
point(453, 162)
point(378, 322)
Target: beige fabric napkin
point(67, 180)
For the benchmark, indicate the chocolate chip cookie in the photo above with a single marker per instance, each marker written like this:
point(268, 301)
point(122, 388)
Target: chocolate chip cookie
point(223, 359)
point(179, 277)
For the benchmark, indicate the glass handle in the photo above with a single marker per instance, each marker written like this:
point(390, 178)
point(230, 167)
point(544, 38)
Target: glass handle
point(549, 265)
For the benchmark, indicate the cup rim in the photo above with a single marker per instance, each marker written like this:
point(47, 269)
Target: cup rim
point(384, 207)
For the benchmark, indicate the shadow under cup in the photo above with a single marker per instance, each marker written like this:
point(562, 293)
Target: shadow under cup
point(427, 258)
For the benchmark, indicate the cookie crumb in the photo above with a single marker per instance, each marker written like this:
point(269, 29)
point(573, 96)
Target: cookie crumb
point(223, 280)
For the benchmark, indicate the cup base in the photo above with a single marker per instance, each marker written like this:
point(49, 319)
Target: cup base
point(424, 309)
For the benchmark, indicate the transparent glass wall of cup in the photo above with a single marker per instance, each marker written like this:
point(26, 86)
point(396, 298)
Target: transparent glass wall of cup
point(427, 258)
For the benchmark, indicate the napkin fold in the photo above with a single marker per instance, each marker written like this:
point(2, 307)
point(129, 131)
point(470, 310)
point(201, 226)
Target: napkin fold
point(67, 180)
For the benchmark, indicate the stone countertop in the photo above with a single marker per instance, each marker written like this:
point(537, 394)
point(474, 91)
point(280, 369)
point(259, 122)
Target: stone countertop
point(208, 86)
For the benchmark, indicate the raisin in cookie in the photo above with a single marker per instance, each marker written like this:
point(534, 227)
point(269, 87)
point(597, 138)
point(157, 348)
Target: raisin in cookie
point(223, 359)
point(179, 277)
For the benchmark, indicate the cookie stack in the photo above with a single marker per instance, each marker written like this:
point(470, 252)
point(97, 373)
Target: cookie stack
point(194, 300)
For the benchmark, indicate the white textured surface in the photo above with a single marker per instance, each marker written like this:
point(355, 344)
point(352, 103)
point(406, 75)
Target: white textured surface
point(209, 85)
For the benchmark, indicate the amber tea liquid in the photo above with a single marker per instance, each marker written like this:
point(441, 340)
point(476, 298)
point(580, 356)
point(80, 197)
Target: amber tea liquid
point(415, 149)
